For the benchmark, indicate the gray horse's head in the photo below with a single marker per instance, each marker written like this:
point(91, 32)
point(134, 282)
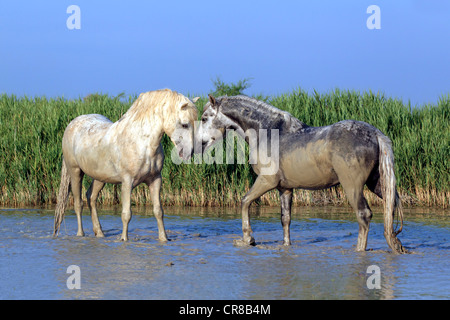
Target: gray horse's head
point(213, 124)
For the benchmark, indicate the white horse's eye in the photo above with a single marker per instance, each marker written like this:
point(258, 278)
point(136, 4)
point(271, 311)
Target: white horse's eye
point(185, 126)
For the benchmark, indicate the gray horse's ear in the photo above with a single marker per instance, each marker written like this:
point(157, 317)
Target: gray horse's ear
point(212, 100)
point(195, 99)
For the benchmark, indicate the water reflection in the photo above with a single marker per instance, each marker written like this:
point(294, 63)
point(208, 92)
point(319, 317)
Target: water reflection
point(200, 261)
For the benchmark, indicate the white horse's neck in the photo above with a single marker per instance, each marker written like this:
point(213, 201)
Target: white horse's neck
point(147, 131)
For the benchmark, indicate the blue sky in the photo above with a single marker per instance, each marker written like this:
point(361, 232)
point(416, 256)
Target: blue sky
point(136, 46)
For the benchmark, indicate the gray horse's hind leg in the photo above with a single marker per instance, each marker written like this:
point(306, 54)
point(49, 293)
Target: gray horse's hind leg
point(92, 195)
point(76, 177)
point(286, 202)
point(354, 192)
point(364, 215)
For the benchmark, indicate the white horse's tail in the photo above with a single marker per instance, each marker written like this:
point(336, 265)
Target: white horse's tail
point(391, 198)
point(63, 195)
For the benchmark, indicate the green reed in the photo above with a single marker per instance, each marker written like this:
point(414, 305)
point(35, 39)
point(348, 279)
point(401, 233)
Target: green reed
point(31, 131)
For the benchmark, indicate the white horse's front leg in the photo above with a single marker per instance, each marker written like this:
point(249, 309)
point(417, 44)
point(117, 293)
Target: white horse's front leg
point(155, 190)
point(126, 208)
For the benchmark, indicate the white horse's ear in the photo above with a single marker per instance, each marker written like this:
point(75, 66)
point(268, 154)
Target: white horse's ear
point(184, 106)
point(195, 99)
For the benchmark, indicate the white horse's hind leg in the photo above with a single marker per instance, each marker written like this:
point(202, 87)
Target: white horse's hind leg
point(126, 208)
point(155, 189)
point(92, 195)
point(76, 177)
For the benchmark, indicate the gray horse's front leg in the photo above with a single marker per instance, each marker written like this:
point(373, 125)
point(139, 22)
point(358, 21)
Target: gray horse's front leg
point(261, 186)
point(126, 208)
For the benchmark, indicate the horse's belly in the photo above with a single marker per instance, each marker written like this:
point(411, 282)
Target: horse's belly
point(304, 170)
point(99, 168)
point(98, 164)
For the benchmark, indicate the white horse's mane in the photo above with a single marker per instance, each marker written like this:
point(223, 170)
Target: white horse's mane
point(165, 99)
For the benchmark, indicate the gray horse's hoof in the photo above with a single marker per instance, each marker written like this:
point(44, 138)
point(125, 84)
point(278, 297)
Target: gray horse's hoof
point(395, 244)
point(397, 247)
point(244, 243)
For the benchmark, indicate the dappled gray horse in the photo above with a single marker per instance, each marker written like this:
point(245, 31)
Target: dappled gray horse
point(350, 153)
point(126, 152)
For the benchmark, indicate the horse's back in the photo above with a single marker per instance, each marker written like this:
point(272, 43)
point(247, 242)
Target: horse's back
point(352, 134)
point(88, 123)
point(85, 130)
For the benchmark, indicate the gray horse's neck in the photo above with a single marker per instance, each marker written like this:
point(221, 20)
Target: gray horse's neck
point(249, 113)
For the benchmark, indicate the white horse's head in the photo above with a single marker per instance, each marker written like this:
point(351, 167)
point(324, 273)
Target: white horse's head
point(180, 126)
point(170, 112)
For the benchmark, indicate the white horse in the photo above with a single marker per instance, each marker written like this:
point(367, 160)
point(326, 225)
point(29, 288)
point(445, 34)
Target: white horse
point(126, 152)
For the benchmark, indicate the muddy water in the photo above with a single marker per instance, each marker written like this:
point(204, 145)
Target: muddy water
point(200, 261)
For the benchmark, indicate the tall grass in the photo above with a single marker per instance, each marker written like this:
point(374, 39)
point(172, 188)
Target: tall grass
point(31, 131)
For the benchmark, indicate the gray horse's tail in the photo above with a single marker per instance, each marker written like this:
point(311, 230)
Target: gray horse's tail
point(391, 198)
point(63, 195)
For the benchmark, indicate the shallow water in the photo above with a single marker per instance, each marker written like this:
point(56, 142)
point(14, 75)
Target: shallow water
point(200, 261)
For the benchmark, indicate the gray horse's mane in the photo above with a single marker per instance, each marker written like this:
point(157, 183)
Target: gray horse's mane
point(292, 124)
